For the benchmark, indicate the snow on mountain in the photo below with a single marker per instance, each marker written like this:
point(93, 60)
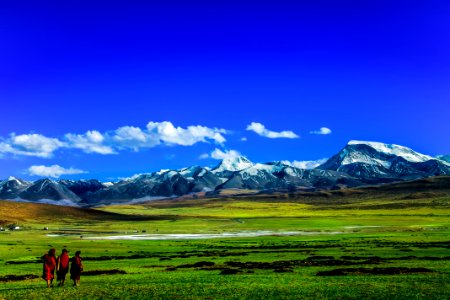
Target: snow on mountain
point(278, 175)
point(170, 174)
point(377, 160)
point(17, 181)
point(162, 171)
point(202, 172)
point(305, 164)
point(444, 158)
point(233, 164)
point(392, 149)
point(13, 181)
point(258, 169)
point(189, 172)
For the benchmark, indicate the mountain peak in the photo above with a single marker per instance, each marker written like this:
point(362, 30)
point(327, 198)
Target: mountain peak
point(233, 164)
point(12, 178)
point(378, 160)
point(392, 150)
point(16, 180)
point(45, 181)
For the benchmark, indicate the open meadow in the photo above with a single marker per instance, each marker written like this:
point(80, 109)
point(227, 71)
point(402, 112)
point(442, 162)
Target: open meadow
point(370, 244)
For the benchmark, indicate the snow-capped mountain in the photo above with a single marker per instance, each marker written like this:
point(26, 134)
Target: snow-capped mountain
point(12, 187)
point(377, 160)
point(232, 164)
point(278, 175)
point(164, 183)
point(358, 163)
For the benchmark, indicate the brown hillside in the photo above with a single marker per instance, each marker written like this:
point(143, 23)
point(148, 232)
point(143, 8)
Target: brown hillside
point(19, 211)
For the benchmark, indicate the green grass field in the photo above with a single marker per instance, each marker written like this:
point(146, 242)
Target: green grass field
point(362, 248)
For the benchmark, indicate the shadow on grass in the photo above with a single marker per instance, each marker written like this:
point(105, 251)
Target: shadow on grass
point(22, 288)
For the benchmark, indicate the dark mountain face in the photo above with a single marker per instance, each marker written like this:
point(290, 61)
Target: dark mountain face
point(323, 179)
point(357, 164)
point(433, 168)
point(204, 181)
point(159, 184)
point(83, 188)
point(48, 189)
point(175, 185)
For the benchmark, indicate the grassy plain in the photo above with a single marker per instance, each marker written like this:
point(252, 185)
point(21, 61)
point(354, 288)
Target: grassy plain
point(359, 244)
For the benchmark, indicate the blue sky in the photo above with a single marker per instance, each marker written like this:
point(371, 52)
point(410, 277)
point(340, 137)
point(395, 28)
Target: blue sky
point(81, 82)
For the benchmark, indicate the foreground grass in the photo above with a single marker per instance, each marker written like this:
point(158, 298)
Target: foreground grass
point(358, 237)
point(165, 269)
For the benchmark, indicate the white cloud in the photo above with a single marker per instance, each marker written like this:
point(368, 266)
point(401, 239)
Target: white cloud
point(130, 133)
point(31, 145)
point(261, 130)
point(322, 130)
point(54, 171)
point(244, 139)
point(111, 142)
point(219, 154)
point(204, 156)
point(90, 142)
point(133, 138)
point(305, 164)
point(169, 134)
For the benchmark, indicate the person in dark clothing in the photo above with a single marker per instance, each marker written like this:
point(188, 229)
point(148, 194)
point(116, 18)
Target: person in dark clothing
point(62, 267)
point(49, 266)
point(76, 268)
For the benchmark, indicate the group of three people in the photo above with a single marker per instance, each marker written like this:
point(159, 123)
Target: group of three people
point(61, 266)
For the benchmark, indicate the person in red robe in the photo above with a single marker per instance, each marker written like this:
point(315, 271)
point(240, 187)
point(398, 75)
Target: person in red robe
point(49, 261)
point(76, 268)
point(62, 267)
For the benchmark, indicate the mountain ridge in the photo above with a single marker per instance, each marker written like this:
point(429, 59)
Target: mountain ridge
point(358, 163)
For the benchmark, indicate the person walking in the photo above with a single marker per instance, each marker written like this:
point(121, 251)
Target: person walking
point(76, 268)
point(49, 266)
point(62, 267)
